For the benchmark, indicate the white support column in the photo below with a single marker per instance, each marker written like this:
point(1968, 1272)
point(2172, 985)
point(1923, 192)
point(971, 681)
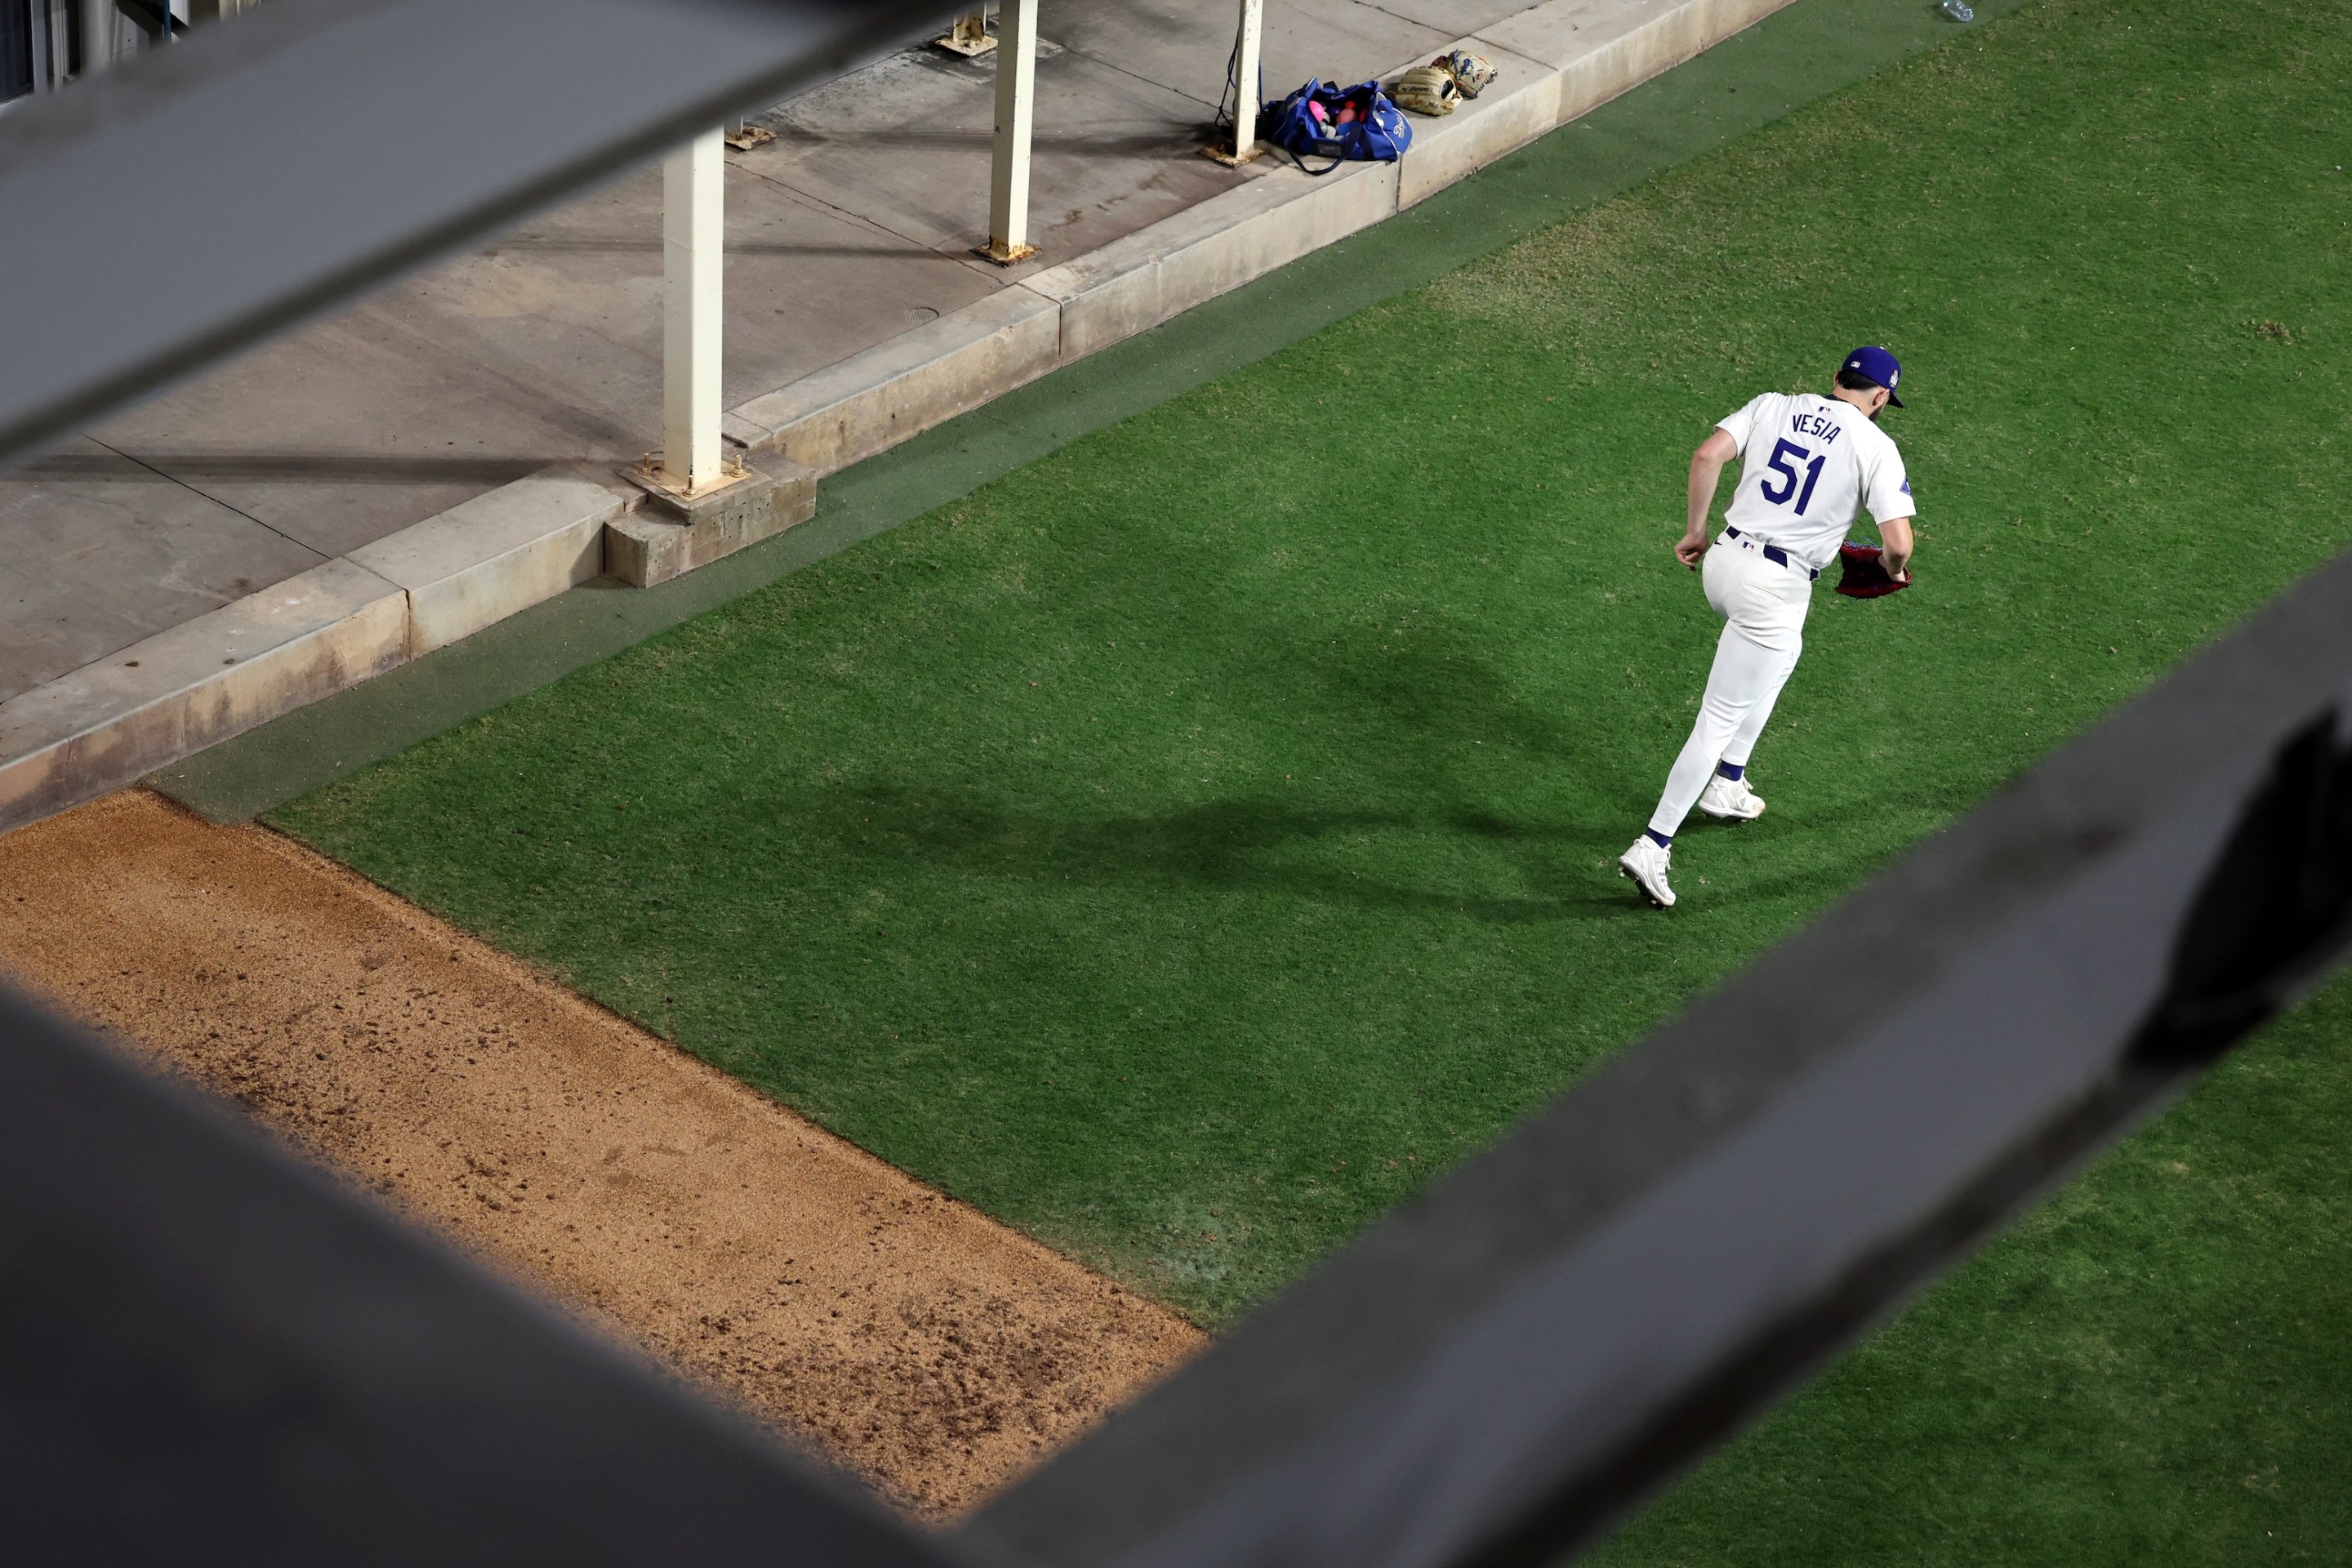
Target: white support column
point(1248, 37)
point(1245, 71)
point(97, 37)
point(1017, 104)
point(45, 70)
point(694, 197)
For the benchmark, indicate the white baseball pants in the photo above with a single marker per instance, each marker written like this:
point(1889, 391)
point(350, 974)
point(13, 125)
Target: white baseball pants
point(1763, 605)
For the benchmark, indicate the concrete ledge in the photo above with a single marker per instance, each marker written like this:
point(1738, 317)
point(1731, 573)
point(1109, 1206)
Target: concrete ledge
point(109, 722)
point(1117, 285)
point(1522, 104)
point(1197, 263)
point(1604, 48)
point(1206, 250)
point(1562, 34)
point(872, 400)
point(486, 558)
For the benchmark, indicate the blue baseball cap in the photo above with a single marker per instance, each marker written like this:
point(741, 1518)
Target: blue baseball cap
point(1880, 367)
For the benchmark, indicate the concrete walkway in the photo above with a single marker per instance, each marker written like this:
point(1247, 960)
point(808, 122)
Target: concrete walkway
point(387, 482)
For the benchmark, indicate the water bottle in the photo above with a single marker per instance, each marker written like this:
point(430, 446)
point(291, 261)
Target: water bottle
point(1959, 10)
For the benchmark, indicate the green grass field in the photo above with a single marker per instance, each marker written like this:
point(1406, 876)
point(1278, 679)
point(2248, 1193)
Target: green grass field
point(1187, 844)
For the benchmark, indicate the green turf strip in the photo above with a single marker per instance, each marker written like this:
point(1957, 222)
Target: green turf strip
point(1184, 845)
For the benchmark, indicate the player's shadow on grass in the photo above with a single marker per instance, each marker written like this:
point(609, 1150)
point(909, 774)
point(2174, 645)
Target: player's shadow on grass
point(1240, 845)
point(1425, 720)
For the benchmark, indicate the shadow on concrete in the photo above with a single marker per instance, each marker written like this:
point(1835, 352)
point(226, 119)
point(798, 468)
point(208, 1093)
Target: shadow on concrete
point(355, 468)
point(638, 243)
point(1172, 139)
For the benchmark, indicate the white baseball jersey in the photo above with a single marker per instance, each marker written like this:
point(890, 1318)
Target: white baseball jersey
point(1808, 465)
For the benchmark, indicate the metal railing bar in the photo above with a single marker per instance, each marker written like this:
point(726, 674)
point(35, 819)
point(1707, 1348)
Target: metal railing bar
point(1495, 1373)
point(211, 1354)
point(270, 171)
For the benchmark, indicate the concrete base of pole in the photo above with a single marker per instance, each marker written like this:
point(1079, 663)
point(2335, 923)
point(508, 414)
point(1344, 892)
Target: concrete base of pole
point(1004, 255)
point(1228, 157)
point(676, 532)
point(970, 37)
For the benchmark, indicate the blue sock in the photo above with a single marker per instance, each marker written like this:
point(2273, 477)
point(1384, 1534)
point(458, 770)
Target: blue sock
point(1660, 839)
point(1730, 770)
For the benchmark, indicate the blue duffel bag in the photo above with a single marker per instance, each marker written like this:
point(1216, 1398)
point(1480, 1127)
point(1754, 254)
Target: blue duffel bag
point(1338, 124)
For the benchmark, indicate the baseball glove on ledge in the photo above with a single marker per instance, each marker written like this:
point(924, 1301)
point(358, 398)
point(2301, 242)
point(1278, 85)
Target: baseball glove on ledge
point(1862, 572)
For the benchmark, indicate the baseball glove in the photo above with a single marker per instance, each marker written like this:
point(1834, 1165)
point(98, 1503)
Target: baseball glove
point(1864, 573)
point(1473, 73)
point(1426, 89)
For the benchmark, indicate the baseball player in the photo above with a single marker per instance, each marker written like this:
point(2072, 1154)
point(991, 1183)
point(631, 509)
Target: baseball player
point(1808, 465)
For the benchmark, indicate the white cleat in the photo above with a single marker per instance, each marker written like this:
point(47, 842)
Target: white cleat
point(1731, 799)
point(1646, 863)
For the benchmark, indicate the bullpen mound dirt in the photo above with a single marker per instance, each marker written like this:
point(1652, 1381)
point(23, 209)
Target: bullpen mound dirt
point(912, 1341)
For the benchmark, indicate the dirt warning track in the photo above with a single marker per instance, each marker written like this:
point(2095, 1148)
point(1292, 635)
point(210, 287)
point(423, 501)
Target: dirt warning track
point(911, 1340)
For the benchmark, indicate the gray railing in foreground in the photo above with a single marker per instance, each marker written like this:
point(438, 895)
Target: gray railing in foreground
point(1502, 1368)
point(205, 196)
point(209, 1354)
